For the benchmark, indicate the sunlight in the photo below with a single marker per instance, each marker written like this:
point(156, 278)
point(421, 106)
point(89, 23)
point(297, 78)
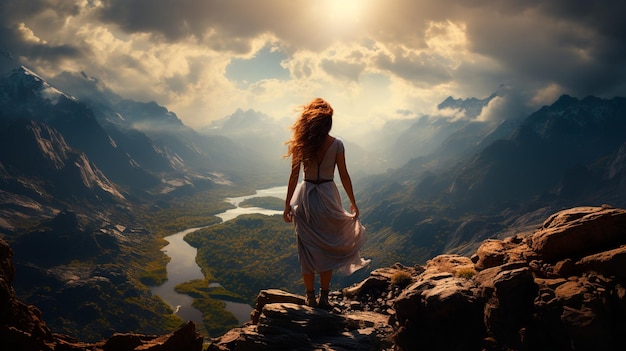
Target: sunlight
point(449, 40)
point(346, 10)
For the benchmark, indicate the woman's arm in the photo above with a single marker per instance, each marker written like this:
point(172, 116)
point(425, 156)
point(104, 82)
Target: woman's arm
point(291, 187)
point(347, 182)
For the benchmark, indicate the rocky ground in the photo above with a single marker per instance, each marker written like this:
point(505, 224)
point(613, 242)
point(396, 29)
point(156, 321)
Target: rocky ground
point(561, 287)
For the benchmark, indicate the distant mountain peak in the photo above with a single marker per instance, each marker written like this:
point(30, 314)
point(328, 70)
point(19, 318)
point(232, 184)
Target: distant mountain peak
point(565, 99)
point(241, 121)
point(24, 78)
point(472, 107)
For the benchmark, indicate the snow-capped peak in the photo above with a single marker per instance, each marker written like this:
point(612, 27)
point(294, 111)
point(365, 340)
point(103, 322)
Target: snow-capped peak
point(38, 85)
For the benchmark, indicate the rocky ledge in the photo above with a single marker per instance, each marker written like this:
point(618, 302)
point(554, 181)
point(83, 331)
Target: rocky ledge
point(562, 287)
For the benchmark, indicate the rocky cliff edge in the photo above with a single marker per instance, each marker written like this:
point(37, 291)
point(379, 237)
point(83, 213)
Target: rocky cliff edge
point(561, 287)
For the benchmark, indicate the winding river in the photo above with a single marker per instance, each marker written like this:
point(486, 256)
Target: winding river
point(183, 267)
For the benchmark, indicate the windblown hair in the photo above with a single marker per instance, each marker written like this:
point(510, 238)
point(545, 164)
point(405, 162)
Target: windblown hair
point(310, 130)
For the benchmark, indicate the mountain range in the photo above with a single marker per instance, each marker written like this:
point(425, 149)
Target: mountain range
point(99, 145)
point(79, 166)
point(570, 153)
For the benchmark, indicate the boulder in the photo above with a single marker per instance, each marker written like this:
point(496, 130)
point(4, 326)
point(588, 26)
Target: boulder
point(439, 311)
point(508, 310)
point(580, 231)
point(285, 323)
point(611, 262)
point(494, 252)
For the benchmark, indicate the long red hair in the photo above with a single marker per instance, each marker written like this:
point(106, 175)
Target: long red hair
point(310, 130)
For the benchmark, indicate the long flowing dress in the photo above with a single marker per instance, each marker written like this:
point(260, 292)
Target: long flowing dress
point(328, 236)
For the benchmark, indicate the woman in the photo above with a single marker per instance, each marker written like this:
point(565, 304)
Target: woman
point(328, 237)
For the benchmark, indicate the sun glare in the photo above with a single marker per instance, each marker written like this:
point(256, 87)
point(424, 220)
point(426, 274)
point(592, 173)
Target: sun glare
point(346, 10)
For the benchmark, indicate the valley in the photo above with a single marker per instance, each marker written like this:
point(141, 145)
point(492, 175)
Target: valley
point(88, 196)
point(183, 273)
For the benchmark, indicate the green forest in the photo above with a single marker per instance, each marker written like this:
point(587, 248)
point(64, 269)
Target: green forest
point(248, 254)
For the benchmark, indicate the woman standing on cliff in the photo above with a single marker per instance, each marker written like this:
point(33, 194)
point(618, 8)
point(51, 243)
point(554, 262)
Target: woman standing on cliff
point(328, 237)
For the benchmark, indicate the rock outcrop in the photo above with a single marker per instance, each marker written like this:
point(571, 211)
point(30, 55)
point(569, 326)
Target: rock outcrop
point(23, 329)
point(281, 321)
point(562, 287)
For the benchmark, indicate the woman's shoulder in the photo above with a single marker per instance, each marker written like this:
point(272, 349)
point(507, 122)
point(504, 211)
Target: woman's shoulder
point(337, 139)
point(338, 144)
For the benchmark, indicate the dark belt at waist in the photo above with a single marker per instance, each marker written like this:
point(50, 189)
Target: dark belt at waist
point(318, 181)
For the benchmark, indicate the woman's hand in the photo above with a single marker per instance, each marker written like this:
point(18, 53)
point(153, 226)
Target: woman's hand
point(287, 216)
point(354, 210)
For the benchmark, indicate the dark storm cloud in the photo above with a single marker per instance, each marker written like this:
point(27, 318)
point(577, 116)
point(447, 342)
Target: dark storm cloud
point(173, 19)
point(46, 18)
point(14, 41)
point(18, 9)
point(223, 25)
point(605, 16)
point(577, 44)
point(420, 69)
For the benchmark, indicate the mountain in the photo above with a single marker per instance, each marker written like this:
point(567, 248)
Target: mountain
point(435, 141)
point(258, 134)
point(78, 179)
point(567, 154)
point(45, 155)
point(157, 139)
point(25, 95)
point(427, 133)
point(44, 175)
point(562, 152)
point(142, 147)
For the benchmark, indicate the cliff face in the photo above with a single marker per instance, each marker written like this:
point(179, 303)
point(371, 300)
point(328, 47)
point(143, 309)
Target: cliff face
point(23, 329)
point(562, 287)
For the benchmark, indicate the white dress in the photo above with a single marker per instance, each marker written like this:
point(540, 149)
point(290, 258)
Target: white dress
point(328, 236)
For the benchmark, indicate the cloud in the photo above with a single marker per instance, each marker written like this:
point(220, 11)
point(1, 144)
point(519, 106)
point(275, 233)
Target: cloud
point(419, 68)
point(568, 43)
point(508, 104)
point(370, 57)
point(343, 69)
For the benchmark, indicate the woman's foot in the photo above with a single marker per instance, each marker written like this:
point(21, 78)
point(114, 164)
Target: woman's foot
point(310, 298)
point(323, 302)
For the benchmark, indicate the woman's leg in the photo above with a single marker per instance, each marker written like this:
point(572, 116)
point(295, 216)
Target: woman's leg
point(309, 285)
point(325, 278)
point(309, 281)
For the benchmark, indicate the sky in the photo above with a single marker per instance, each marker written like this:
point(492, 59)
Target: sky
point(373, 60)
